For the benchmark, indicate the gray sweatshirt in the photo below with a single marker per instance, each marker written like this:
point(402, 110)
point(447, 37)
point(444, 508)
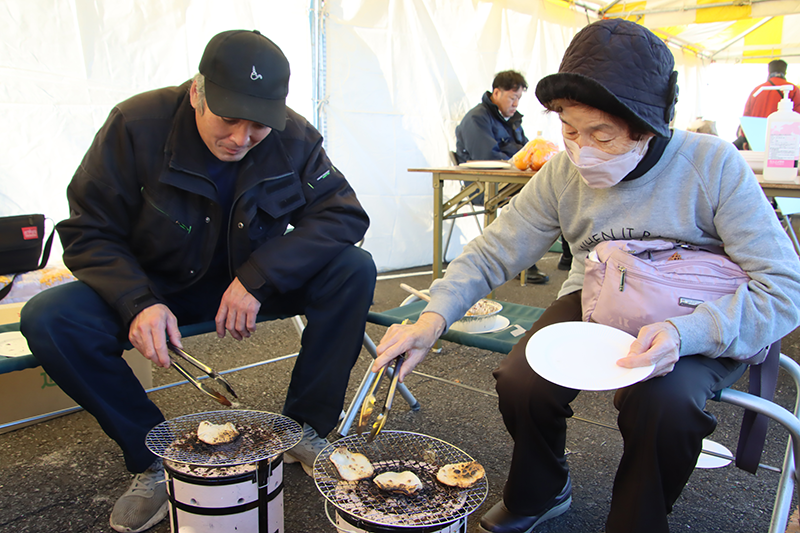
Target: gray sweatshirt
point(700, 192)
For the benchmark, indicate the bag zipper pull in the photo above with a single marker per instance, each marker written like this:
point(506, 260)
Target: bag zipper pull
point(622, 271)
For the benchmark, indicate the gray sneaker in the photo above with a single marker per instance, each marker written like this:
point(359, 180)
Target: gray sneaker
point(306, 450)
point(144, 504)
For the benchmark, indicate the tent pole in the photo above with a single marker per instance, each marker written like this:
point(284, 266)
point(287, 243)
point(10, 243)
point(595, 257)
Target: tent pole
point(319, 71)
point(682, 9)
point(742, 36)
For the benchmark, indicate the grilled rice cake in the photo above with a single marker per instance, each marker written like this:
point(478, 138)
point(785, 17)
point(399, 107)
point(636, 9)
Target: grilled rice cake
point(462, 475)
point(216, 433)
point(351, 466)
point(400, 482)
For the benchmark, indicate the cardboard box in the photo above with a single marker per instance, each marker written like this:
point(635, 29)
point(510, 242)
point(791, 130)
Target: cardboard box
point(35, 396)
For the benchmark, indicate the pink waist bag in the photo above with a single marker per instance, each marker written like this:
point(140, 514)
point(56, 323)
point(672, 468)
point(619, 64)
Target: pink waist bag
point(630, 284)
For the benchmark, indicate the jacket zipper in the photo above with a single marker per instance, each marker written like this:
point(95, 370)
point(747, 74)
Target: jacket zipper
point(686, 285)
point(187, 229)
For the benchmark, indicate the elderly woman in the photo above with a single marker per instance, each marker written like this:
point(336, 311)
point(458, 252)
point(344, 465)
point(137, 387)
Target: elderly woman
point(623, 175)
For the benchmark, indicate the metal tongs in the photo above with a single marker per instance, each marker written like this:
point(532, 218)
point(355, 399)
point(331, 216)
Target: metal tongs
point(368, 407)
point(210, 372)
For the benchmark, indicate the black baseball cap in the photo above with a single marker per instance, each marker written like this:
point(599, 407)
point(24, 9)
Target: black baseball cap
point(247, 77)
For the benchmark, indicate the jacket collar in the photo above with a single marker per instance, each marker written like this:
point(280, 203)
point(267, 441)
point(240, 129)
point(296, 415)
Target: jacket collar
point(186, 152)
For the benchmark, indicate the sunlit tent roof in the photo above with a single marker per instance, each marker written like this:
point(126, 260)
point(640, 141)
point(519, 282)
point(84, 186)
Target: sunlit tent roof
point(754, 31)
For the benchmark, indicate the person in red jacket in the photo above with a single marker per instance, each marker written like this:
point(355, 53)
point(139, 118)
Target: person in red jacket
point(766, 102)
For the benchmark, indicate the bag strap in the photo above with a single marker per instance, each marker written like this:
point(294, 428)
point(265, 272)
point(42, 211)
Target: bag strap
point(5, 290)
point(753, 433)
point(45, 251)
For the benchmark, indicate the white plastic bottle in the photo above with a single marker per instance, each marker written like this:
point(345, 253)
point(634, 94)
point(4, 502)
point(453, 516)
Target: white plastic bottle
point(783, 140)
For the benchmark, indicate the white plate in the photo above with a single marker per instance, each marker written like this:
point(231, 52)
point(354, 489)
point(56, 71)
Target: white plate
point(711, 461)
point(583, 356)
point(487, 164)
point(496, 323)
point(13, 344)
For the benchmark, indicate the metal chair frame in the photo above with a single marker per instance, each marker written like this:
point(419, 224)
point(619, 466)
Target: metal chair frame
point(789, 480)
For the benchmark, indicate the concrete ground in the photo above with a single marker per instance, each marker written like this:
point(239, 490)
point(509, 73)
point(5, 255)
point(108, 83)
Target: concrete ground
point(64, 475)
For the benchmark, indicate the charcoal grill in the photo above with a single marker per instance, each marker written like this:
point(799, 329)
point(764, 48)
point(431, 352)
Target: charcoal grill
point(360, 506)
point(230, 487)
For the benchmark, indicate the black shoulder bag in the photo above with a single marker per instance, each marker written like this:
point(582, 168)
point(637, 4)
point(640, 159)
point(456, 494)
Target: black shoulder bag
point(21, 239)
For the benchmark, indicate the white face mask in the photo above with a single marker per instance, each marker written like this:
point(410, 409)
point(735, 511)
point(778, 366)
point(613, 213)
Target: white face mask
point(600, 170)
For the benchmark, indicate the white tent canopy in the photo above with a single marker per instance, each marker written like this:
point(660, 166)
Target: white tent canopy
point(394, 79)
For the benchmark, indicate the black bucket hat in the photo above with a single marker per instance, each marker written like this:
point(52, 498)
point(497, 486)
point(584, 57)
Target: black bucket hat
point(621, 68)
point(247, 77)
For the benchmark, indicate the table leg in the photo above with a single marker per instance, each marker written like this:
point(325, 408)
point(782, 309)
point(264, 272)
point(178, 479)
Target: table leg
point(438, 208)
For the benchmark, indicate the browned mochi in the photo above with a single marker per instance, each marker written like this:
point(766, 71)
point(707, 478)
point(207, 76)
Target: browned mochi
point(460, 475)
point(403, 482)
point(216, 433)
point(351, 466)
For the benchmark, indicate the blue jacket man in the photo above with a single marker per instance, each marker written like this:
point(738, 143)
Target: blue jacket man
point(493, 128)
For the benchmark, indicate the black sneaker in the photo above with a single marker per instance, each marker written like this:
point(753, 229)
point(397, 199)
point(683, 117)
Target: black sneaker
point(501, 520)
point(535, 276)
point(565, 263)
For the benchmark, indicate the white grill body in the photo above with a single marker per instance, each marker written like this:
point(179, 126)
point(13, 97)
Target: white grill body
point(247, 502)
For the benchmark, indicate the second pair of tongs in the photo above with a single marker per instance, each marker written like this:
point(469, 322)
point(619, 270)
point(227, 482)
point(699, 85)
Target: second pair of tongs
point(210, 372)
point(368, 407)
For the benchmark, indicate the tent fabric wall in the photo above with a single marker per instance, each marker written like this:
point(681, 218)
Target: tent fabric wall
point(401, 75)
point(65, 64)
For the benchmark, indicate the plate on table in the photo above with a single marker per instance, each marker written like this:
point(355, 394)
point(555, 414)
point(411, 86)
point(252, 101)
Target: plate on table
point(583, 356)
point(13, 344)
point(490, 325)
point(487, 164)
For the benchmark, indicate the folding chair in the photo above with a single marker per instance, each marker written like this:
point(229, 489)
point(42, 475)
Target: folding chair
point(754, 403)
point(465, 198)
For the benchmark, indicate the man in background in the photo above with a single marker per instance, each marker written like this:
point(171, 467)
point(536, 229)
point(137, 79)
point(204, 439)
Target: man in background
point(492, 130)
point(207, 201)
point(766, 102)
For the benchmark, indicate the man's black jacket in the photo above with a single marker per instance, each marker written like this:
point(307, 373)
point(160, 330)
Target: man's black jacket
point(144, 217)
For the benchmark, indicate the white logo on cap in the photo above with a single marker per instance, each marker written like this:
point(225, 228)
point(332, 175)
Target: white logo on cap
point(255, 75)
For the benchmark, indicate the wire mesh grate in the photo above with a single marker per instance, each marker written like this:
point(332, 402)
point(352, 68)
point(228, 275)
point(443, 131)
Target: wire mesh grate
point(261, 435)
point(435, 504)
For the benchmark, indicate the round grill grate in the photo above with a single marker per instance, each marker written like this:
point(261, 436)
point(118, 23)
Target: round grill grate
point(261, 435)
point(436, 504)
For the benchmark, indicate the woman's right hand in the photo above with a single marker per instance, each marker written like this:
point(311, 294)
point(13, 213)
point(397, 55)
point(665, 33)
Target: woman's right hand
point(415, 340)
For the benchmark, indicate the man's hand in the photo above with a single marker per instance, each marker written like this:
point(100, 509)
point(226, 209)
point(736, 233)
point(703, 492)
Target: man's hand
point(657, 344)
point(149, 330)
point(237, 312)
point(413, 339)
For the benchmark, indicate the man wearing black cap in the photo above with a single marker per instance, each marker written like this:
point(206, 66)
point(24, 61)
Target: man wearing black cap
point(624, 176)
point(207, 201)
